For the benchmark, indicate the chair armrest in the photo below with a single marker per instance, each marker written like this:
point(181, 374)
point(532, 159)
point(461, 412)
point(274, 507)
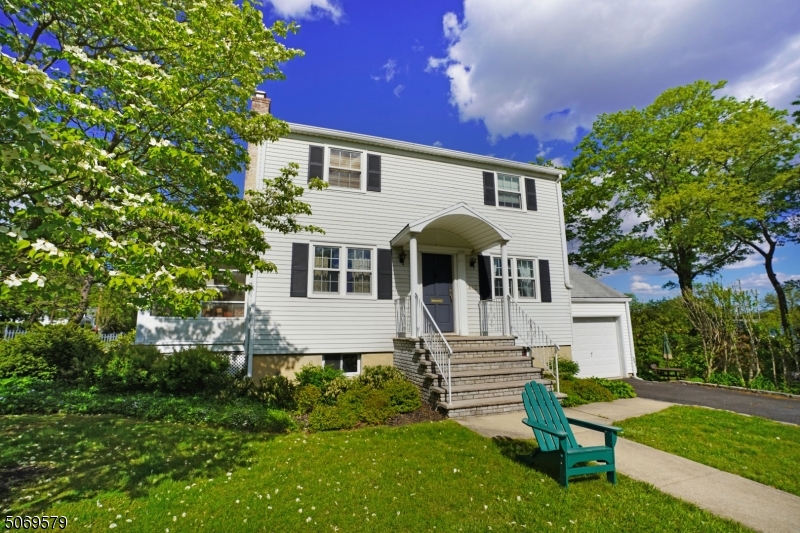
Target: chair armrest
point(592, 425)
point(541, 427)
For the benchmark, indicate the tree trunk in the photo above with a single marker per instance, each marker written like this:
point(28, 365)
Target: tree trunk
point(779, 292)
point(84, 302)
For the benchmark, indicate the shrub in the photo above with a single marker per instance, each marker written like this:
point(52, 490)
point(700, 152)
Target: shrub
point(336, 388)
point(327, 417)
point(317, 375)
point(724, 378)
point(567, 368)
point(275, 391)
point(14, 364)
point(192, 370)
point(403, 395)
point(128, 367)
point(307, 397)
point(760, 382)
point(618, 388)
point(25, 396)
point(376, 408)
point(377, 376)
point(71, 350)
point(582, 391)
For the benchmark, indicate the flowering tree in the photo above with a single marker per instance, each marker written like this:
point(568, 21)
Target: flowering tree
point(119, 124)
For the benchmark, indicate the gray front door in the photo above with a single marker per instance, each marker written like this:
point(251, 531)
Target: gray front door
point(437, 289)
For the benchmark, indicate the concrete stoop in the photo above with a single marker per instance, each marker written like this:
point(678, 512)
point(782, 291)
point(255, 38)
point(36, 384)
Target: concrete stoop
point(488, 374)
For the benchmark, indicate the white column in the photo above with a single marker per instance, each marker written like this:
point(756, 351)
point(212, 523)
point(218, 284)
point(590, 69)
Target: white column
point(506, 307)
point(412, 283)
point(460, 293)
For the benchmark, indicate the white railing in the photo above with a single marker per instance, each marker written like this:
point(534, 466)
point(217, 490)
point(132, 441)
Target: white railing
point(530, 335)
point(437, 345)
point(490, 314)
point(402, 317)
point(10, 333)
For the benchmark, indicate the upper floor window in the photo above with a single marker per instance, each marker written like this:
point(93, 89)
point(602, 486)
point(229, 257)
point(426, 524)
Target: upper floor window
point(345, 169)
point(508, 191)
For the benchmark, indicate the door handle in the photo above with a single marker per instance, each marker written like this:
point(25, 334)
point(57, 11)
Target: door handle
point(451, 294)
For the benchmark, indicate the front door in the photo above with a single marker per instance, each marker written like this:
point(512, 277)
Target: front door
point(437, 289)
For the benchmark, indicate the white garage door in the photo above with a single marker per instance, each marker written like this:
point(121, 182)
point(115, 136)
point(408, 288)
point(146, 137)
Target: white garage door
point(595, 347)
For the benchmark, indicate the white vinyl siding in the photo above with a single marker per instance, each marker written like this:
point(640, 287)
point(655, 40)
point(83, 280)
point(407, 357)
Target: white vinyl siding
point(412, 186)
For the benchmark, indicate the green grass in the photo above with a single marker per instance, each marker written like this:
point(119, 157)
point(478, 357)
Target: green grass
point(103, 470)
point(748, 446)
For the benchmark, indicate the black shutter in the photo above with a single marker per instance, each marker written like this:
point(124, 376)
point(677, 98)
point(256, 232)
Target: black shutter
point(374, 174)
point(384, 274)
point(485, 277)
point(530, 193)
point(544, 280)
point(316, 162)
point(299, 270)
point(488, 189)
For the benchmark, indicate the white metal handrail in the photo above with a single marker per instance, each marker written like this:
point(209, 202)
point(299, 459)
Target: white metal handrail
point(402, 316)
point(437, 345)
point(534, 338)
point(490, 314)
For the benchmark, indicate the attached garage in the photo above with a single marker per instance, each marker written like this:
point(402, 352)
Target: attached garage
point(601, 329)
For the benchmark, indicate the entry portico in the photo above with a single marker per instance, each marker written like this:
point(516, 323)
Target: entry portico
point(461, 233)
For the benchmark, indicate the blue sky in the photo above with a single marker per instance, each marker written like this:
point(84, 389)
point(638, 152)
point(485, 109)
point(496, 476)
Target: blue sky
point(521, 78)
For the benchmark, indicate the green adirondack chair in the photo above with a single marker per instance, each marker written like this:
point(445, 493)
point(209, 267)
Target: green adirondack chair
point(552, 431)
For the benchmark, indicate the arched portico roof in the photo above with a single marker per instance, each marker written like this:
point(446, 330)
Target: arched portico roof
point(480, 232)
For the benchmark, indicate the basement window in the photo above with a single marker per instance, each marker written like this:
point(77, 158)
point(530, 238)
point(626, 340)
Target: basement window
point(349, 363)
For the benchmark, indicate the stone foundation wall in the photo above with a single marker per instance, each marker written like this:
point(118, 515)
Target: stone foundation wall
point(410, 362)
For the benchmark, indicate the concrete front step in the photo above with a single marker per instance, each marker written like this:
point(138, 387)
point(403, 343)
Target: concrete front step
point(485, 406)
point(483, 350)
point(485, 363)
point(472, 377)
point(488, 390)
point(456, 341)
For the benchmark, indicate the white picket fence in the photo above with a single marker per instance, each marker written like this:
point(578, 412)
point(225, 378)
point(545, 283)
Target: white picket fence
point(10, 333)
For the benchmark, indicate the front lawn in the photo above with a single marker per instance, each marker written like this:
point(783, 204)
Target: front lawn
point(155, 476)
point(748, 446)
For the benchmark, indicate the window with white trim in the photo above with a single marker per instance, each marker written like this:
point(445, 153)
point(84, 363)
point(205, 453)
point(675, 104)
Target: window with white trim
point(230, 303)
point(349, 363)
point(341, 270)
point(521, 277)
point(344, 169)
point(509, 193)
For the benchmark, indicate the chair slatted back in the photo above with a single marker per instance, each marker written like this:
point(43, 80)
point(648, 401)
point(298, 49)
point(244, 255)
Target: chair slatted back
point(542, 406)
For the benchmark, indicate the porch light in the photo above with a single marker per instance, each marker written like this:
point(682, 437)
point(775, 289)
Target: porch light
point(472, 261)
point(402, 257)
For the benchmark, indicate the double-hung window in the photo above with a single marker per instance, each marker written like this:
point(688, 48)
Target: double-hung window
point(344, 169)
point(356, 269)
point(509, 193)
point(326, 269)
point(521, 277)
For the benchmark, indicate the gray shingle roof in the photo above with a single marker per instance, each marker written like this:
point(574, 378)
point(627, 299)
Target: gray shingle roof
point(585, 286)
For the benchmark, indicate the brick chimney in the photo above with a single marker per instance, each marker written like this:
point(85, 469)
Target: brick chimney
point(259, 104)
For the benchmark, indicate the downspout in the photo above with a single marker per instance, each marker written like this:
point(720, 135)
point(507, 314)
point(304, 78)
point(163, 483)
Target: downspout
point(630, 337)
point(250, 324)
point(564, 255)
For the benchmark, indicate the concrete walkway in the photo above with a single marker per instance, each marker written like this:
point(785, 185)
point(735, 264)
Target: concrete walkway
point(755, 505)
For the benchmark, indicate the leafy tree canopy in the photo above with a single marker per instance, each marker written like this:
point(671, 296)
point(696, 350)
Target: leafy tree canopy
point(631, 194)
point(119, 124)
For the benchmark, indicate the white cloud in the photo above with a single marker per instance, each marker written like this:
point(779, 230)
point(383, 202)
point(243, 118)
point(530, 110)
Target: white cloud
point(417, 47)
point(398, 90)
point(748, 262)
point(389, 69)
point(549, 67)
point(639, 286)
point(761, 281)
point(307, 9)
point(438, 144)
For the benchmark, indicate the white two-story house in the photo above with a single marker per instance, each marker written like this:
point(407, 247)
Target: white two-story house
point(414, 244)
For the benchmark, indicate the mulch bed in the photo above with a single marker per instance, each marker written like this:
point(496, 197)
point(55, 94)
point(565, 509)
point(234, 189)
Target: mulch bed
point(423, 414)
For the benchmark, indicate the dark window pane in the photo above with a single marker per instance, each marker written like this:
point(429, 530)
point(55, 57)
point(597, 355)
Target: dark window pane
point(350, 363)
